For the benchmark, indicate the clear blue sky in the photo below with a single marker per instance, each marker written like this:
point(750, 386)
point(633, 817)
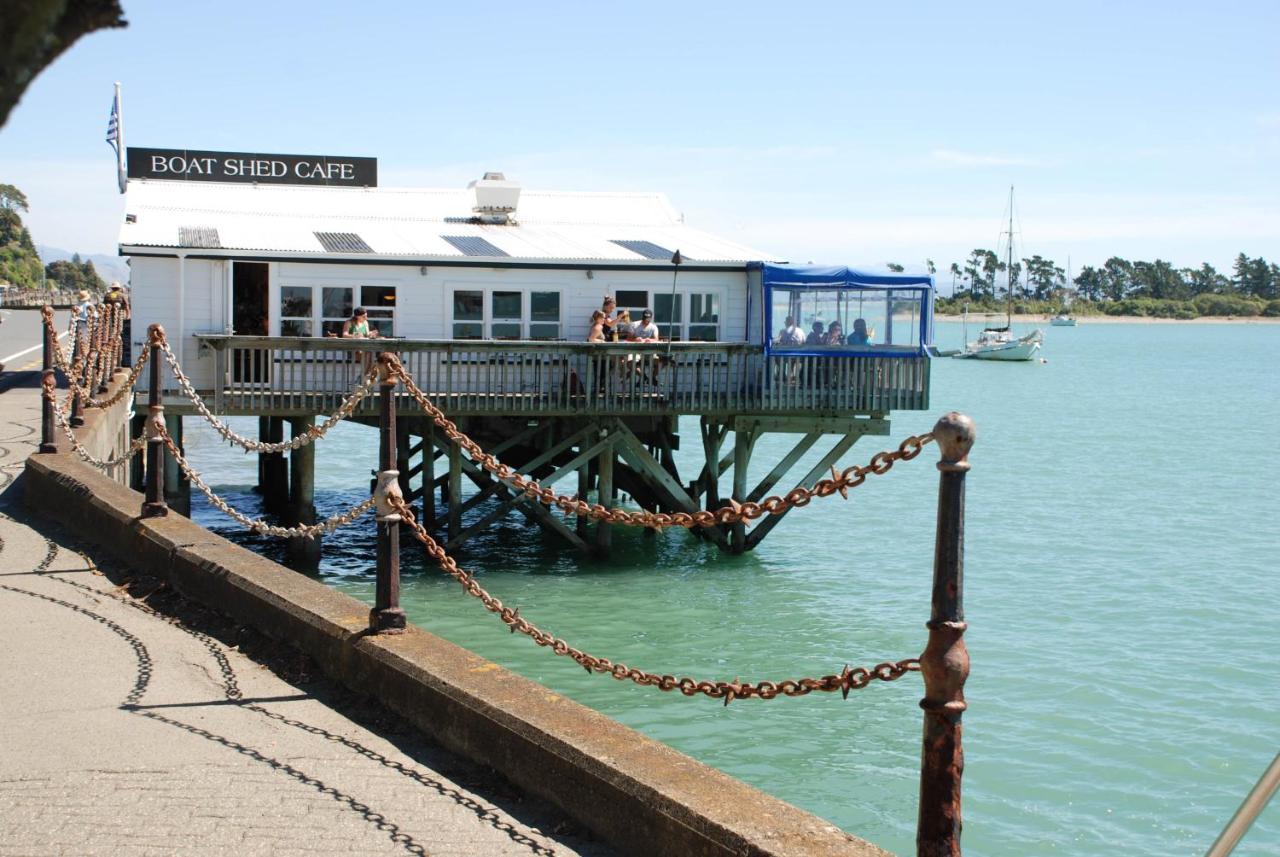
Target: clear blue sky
point(834, 132)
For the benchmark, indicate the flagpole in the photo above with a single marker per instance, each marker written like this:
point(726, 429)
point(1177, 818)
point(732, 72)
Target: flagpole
point(120, 170)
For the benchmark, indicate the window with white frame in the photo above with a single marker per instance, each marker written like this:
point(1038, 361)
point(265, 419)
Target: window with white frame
point(295, 311)
point(509, 314)
point(307, 309)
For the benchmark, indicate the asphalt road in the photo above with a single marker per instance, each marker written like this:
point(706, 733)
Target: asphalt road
point(20, 339)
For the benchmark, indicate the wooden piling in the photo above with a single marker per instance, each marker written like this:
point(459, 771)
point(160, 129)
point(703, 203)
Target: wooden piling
point(302, 551)
point(455, 490)
point(177, 488)
point(604, 490)
point(273, 469)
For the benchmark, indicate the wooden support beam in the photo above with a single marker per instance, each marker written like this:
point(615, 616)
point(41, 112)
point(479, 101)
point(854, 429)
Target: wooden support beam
point(648, 469)
point(788, 461)
point(820, 470)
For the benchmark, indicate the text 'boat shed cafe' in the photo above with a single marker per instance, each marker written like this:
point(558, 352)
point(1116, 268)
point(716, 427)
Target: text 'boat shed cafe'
point(253, 263)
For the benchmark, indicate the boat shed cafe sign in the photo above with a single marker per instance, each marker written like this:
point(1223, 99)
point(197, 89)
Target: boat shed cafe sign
point(247, 167)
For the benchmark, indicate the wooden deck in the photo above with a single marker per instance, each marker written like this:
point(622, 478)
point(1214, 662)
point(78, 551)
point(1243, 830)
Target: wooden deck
point(298, 375)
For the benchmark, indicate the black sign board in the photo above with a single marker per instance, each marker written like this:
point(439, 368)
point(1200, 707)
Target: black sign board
point(248, 167)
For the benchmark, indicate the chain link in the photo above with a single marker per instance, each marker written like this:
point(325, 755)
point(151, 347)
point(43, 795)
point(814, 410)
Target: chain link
point(60, 417)
point(348, 406)
point(257, 525)
point(735, 512)
point(79, 377)
point(845, 681)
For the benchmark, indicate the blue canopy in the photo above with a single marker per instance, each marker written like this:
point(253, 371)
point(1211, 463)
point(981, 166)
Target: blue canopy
point(835, 288)
point(833, 276)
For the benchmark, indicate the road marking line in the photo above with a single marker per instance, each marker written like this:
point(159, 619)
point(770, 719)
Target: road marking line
point(29, 350)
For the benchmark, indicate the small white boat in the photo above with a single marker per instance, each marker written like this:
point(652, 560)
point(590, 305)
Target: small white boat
point(1063, 320)
point(999, 343)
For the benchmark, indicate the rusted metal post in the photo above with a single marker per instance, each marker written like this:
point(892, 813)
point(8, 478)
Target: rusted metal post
point(79, 348)
point(153, 505)
point(386, 616)
point(49, 384)
point(945, 661)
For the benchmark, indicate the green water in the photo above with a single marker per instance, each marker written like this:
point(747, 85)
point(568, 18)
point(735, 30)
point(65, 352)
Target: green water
point(1121, 595)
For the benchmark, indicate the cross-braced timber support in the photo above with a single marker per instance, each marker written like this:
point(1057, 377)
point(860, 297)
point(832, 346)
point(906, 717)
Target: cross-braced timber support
point(607, 456)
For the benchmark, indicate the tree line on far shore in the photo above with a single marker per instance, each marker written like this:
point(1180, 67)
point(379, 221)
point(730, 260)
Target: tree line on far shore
point(20, 264)
point(1118, 287)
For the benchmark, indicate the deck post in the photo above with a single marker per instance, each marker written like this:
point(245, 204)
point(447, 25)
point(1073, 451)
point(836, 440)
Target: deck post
point(404, 451)
point(49, 382)
point(302, 551)
point(604, 490)
point(945, 661)
point(387, 617)
point(177, 488)
point(153, 505)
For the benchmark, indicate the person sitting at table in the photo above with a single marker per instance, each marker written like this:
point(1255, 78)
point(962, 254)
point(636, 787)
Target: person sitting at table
point(791, 333)
point(816, 335)
point(646, 330)
point(859, 336)
point(357, 327)
point(835, 334)
point(597, 334)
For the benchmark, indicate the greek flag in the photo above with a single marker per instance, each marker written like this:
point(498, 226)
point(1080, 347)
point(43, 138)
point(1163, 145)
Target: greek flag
point(115, 138)
point(113, 126)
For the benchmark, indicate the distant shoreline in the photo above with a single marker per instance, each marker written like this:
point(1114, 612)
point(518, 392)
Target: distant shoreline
point(981, 318)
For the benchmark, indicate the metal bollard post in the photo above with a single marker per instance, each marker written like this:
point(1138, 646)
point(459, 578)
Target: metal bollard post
point(387, 617)
point(49, 384)
point(80, 348)
point(945, 661)
point(153, 506)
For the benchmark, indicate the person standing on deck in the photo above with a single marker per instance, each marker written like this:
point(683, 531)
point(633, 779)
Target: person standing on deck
point(607, 309)
point(791, 333)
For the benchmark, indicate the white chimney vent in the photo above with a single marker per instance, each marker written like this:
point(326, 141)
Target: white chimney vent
point(495, 197)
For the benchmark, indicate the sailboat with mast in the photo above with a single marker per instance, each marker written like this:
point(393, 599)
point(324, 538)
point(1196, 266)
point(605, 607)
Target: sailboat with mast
point(1000, 343)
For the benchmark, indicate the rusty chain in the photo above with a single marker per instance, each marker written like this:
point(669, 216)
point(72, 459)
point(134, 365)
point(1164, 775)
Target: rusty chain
point(840, 482)
point(80, 378)
point(848, 679)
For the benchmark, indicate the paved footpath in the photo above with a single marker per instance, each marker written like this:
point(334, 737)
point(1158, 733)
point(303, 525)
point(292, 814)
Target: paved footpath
point(131, 730)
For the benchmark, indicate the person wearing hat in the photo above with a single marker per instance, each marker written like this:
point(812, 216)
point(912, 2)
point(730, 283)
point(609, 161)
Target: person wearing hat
point(646, 330)
point(116, 297)
point(83, 307)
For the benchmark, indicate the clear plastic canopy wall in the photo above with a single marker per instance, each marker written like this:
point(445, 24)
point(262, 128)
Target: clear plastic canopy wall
point(818, 310)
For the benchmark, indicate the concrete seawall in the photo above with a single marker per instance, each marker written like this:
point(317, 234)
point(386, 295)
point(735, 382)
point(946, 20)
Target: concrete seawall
point(638, 794)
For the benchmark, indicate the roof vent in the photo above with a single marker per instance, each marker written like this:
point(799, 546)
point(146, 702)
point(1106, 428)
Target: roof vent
point(495, 198)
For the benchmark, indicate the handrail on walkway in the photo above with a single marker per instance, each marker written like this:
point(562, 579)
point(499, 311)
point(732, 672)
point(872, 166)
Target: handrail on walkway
point(944, 664)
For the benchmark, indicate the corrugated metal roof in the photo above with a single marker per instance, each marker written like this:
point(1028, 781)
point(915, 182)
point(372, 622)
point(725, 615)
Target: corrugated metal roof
point(474, 245)
point(343, 242)
point(548, 226)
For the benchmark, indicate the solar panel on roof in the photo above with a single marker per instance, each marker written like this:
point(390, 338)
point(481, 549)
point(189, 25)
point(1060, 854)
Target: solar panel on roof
point(647, 249)
point(198, 236)
point(473, 245)
point(343, 242)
